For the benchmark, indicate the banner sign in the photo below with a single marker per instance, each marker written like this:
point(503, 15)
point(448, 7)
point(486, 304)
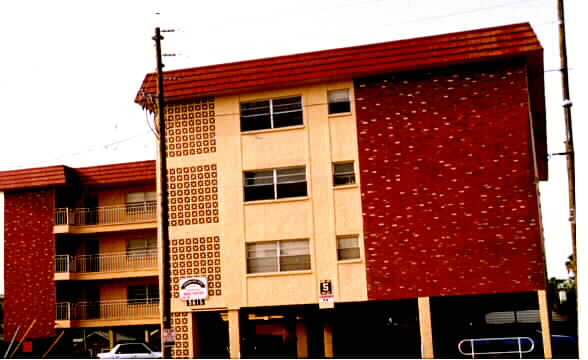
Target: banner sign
point(195, 288)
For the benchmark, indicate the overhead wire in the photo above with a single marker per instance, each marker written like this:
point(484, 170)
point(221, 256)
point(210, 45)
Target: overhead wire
point(85, 151)
point(346, 5)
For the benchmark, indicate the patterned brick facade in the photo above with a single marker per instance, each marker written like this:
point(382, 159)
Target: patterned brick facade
point(448, 188)
point(29, 253)
point(181, 322)
point(193, 257)
point(193, 195)
point(190, 128)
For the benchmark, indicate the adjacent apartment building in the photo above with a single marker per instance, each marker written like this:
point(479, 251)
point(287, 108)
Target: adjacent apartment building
point(80, 256)
point(378, 200)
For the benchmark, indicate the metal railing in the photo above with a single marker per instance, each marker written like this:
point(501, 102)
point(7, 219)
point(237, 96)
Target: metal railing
point(113, 262)
point(107, 215)
point(108, 310)
point(497, 346)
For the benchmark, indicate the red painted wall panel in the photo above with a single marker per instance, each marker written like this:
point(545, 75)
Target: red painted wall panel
point(448, 193)
point(29, 263)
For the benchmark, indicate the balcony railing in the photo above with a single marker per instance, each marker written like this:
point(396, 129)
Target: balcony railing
point(107, 215)
point(108, 310)
point(113, 262)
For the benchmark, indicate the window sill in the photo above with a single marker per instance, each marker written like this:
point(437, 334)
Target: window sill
point(350, 186)
point(275, 201)
point(263, 131)
point(280, 273)
point(340, 114)
point(350, 261)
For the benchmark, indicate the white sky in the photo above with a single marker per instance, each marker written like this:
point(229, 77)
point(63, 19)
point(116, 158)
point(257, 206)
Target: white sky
point(69, 70)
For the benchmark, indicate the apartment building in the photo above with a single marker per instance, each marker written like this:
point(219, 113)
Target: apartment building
point(378, 200)
point(80, 256)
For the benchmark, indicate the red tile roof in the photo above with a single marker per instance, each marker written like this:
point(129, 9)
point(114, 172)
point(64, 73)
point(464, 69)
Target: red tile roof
point(497, 43)
point(346, 63)
point(33, 178)
point(132, 172)
point(126, 173)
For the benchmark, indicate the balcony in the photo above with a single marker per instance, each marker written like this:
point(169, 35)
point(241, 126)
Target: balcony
point(106, 266)
point(107, 313)
point(108, 218)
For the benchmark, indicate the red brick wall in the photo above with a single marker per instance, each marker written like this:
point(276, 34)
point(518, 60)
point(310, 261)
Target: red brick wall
point(448, 193)
point(29, 263)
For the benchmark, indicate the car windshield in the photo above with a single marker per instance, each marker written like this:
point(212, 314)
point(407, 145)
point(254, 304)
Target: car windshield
point(152, 347)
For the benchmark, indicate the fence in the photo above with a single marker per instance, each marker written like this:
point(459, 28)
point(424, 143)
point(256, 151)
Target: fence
point(113, 262)
point(108, 310)
point(107, 215)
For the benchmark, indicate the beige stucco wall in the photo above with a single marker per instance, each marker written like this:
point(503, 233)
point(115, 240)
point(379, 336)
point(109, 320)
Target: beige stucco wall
point(118, 196)
point(117, 289)
point(325, 213)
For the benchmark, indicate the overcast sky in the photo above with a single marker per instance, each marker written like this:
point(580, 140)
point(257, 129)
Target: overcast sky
point(69, 70)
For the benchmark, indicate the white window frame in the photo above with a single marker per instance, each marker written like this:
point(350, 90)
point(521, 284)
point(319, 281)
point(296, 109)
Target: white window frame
point(278, 244)
point(141, 250)
point(271, 112)
point(148, 299)
point(354, 236)
point(335, 102)
point(275, 181)
point(344, 174)
point(143, 205)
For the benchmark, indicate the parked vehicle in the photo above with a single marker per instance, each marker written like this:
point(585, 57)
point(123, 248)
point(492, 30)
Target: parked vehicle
point(131, 351)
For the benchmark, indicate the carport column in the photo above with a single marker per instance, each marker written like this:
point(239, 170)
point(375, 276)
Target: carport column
point(111, 338)
point(234, 334)
point(545, 324)
point(426, 328)
point(328, 340)
point(301, 339)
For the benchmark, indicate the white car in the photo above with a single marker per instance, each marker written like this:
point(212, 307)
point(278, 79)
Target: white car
point(130, 351)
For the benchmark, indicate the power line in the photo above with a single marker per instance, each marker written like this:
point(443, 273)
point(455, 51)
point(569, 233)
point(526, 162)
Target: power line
point(465, 12)
point(85, 151)
point(366, 4)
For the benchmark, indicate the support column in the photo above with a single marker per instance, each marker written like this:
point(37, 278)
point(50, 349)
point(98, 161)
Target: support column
point(328, 340)
point(426, 328)
point(111, 338)
point(545, 323)
point(234, 334)
point(301, 339)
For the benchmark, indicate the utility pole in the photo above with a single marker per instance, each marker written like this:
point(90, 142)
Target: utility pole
point(165, 282)
point(567, 106)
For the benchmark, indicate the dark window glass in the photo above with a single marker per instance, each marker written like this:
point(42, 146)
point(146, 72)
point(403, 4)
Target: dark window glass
point(143, 294)
point(343, 174)
point(259, 185)
point(339, 101)
point(287, 111)
point(134, 349)
point(255, 115)
point(131, 349)
point(291, 182)
point(268, 114)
